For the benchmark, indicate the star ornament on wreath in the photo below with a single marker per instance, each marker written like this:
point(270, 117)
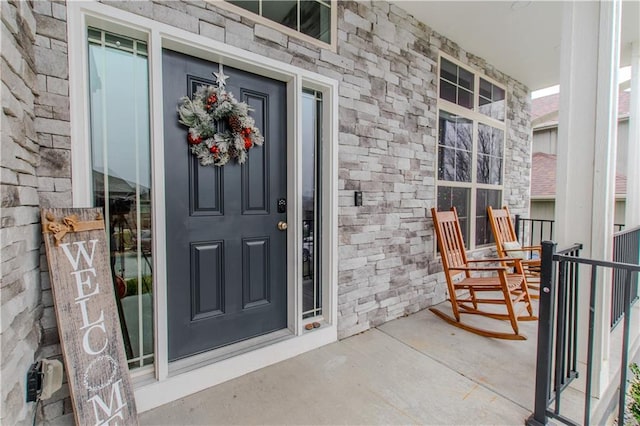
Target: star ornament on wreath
point(209, 106)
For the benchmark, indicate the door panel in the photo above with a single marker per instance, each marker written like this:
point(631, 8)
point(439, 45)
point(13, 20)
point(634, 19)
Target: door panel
point(226, 258)
point(207, 286)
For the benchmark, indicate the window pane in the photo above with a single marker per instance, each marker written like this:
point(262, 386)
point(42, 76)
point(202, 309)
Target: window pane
point(495, 177)
point(460, 199)
point(463, 166)
point(315, 20)
point(282, 12)
point(447, 91)
point(485, 198)
point(448, 70)
point(251, 6)
point(465, 79)
point(454, 132)
point(465, 98)
point(484, 106)
point(490, 150)
point(484, 139)
point(497, 110)
point(446, 164)
point(484, 169)
point(492, 100)
point(121, 181)
point(464, 133)
point(497, 94)
point(447, 129)
point(485, 89)
point(311, 137)
point(497, 139)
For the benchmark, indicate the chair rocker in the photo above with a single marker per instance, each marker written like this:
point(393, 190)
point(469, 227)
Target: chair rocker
point(467, 290)
point(507, 245)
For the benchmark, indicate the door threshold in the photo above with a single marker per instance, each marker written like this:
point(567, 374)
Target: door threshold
point(211, 357)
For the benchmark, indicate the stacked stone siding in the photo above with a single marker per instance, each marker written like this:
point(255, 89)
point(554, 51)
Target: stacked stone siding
point(386, 65)
point(20, 257)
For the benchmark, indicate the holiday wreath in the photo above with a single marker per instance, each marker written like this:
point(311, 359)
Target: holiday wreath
point(211, 104)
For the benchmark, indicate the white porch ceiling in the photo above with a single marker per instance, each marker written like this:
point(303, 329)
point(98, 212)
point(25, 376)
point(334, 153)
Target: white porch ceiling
point(520, 38)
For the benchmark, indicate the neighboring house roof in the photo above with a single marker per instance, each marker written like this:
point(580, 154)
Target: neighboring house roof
point(543, 177)
point(544, 110)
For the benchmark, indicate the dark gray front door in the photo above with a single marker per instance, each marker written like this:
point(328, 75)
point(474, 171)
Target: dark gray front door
point(226, 258)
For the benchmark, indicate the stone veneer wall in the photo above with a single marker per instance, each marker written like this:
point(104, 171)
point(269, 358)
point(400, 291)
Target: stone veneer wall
point(386, 63)
point(20, 291)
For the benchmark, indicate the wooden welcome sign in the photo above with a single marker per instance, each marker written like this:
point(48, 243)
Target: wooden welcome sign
point(88, 323)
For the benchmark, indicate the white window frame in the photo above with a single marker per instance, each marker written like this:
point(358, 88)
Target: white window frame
point(476, 117)
point(223, 4)
point(165, 382)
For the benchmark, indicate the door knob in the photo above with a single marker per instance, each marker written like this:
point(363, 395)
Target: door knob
point(282, 225)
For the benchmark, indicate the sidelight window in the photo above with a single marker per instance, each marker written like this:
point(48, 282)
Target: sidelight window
point(311, 178)
point(471, 140)
point(121, 179)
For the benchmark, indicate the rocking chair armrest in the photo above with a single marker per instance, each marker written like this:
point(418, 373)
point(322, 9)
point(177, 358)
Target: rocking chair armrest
point(531, 248)
point(492, 259)
point(480, 268)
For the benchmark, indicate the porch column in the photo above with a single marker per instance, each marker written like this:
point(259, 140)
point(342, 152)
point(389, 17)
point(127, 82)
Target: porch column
point(632, 207)
point(586, 152)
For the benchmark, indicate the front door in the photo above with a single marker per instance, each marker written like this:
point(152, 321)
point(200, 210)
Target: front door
point(226, 257)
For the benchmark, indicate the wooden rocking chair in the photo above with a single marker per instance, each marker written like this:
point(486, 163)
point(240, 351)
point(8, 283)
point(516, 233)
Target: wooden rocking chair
point(507, 245)
point(508, 288)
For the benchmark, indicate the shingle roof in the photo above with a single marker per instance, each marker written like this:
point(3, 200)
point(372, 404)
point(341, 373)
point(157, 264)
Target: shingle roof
point(545, 109)
point(544, 105)
point(543, 176)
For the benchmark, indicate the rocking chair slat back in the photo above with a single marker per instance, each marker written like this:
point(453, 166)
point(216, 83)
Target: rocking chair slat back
point(502, 227)
point(450, 240)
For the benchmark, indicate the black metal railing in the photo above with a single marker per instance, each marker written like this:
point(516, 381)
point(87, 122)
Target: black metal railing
point(558, 332)
point(534, 231)
point(626, 249)
point(531, 232)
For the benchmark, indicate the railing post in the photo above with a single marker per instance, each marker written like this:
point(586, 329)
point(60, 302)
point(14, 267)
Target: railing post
point(545, 336)
point(517, 228)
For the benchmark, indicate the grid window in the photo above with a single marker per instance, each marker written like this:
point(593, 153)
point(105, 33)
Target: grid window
point(456, 84)
point(470, 149)
point(310, 17)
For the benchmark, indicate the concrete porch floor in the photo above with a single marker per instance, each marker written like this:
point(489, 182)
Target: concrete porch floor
point(413, 370)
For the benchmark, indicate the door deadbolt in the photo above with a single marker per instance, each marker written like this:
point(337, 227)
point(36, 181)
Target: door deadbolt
point(282, 225)
point(282, 205)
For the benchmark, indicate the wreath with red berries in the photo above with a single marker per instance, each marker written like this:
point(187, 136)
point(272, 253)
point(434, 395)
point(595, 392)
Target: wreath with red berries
point(211, 143)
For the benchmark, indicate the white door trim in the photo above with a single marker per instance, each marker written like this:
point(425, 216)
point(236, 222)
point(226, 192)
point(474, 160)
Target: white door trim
point(158, 387)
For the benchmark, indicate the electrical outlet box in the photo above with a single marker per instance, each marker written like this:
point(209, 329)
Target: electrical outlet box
point(34, 382)
point(51, 377)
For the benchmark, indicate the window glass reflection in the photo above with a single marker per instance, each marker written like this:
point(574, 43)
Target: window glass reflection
point(460, 198)
point(484, 199)
point(490, 149)
point(121, 179)
point(491, 100)
point(454, 147)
